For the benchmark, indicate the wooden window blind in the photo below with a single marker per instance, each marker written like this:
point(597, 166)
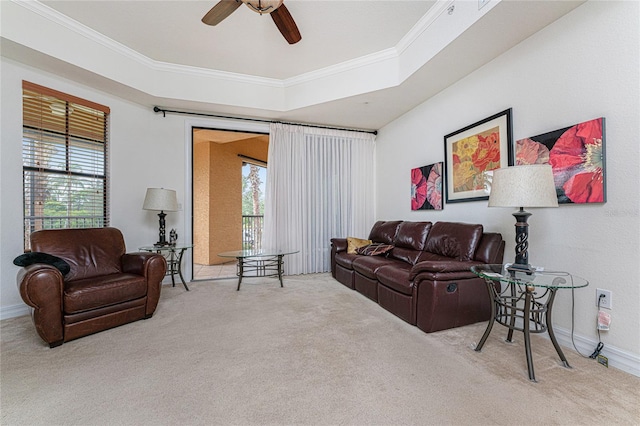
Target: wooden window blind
point(64, 161)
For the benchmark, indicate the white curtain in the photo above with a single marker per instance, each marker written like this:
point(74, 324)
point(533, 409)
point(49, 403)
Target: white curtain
point(319, 186)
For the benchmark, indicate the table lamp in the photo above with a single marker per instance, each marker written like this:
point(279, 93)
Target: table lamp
point(161, 199)
point(523, 186)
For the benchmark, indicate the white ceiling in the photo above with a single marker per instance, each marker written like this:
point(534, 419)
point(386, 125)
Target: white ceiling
point(246, 42)
point(360, 64)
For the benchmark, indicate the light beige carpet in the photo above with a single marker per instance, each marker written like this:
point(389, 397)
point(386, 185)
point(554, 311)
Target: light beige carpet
point(311, 353)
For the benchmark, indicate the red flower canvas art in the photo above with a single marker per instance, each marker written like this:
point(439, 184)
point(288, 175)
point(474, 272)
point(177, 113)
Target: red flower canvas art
point(576, 156)
point(473, 151)
point(426, 187)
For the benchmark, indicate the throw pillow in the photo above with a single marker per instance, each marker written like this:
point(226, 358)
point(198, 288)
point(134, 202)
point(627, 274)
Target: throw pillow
point(30, 258)
point(355, 243)
point(374, 249)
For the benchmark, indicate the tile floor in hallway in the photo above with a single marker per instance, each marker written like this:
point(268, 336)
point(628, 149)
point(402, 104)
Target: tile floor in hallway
point(212, 272)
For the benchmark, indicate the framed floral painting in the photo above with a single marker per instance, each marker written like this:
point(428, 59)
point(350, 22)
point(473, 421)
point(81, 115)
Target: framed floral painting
point(576, 155)
point(426, 187)
point(474, 150)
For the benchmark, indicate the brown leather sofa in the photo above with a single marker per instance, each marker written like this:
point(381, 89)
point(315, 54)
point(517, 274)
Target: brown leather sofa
point(426, 278)
point(104, 288)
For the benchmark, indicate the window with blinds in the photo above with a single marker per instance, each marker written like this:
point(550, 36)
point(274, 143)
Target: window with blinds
point(64, 161)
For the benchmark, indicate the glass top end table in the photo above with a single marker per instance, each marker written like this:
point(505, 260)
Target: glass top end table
point(525, 303)
point(259, 263)
point(173, 254)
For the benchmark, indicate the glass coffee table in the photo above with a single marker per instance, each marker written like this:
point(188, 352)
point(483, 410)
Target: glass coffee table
point(525, 302)
point(259, 263)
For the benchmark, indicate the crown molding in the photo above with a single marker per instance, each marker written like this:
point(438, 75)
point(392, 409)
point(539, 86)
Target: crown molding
point(393, 53)
point(119, 48)
point(343, 67)
point(423, 24)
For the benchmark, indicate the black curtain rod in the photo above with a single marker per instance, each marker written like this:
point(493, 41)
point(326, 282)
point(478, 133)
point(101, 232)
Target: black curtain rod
point(202, 114)
point(255, 160)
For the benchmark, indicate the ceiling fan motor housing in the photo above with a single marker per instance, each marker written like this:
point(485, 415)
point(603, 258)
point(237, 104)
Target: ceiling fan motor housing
point(263, 6)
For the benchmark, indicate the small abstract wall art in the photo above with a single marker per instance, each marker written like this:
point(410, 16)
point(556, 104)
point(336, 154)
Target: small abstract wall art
point(426, 187)
point(577, 157)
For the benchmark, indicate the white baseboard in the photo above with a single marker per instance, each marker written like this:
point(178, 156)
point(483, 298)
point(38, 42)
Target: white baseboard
point(618, 358)
point(13, 311)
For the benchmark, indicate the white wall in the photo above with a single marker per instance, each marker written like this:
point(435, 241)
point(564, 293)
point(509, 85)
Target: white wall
point(583, 66)
point(146, 150)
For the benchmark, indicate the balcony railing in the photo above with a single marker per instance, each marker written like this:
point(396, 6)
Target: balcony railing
point(34, 223)
point(252, 229)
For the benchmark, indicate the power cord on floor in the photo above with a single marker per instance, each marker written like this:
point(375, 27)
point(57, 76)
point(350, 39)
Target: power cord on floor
point(600, 345)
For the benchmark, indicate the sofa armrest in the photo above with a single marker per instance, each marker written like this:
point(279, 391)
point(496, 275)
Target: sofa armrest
point(41, 287)
point(138, 263)
point(153, 267)
point(443, 269)
point(339, 244)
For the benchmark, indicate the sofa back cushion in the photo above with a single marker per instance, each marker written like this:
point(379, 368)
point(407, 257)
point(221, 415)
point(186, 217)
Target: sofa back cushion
point(384, 231)
point(410, 240)
point(455, 240)
point(490, 249)
point(89, 252)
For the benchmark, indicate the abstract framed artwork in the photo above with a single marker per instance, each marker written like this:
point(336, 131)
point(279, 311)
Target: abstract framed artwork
point(577, 157)
point(473, 150)
point(426, 187)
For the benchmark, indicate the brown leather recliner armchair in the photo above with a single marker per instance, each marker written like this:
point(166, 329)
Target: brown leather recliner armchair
point(104, 288)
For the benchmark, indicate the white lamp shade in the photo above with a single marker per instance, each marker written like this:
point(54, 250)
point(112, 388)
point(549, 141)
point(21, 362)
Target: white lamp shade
point(523, 186)
point(160, 199)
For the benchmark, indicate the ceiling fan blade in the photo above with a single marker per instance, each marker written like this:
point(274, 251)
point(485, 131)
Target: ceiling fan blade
point(220, 11)
point(286, 24)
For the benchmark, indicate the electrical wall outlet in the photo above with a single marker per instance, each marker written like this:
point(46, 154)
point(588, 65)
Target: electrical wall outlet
point(605, 300)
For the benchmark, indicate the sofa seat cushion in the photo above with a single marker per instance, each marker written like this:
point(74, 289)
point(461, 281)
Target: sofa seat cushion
point(368, 265)
point(396, 277)
point(433, 257)
point(345, 259)
point(91, 293)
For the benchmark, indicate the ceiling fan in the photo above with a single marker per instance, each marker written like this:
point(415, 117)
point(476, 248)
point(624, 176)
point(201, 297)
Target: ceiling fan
point(278, 11)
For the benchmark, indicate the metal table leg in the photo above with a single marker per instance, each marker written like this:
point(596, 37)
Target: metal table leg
point(527, 335)
point(240, 271)
point(492, 320)
point(180, 270)
point(552, 336)
point(512, 312)
point(172, 266)
point(280, 271)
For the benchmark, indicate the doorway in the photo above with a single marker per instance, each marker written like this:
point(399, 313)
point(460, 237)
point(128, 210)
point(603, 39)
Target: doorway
point(229, 174)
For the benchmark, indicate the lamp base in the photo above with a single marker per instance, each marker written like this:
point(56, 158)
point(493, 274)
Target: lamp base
point(522, 239)
point(162, 240)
